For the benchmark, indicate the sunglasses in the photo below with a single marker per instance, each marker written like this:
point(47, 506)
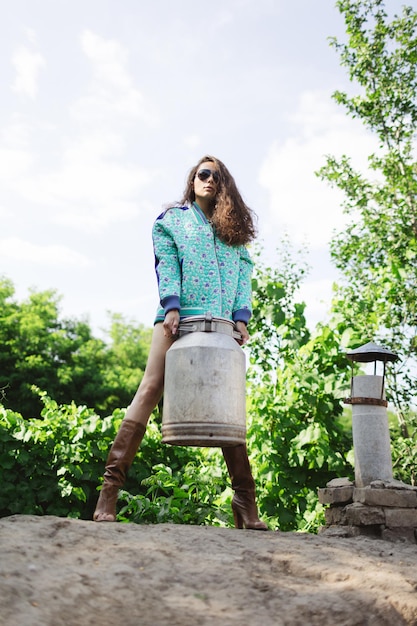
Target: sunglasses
point(205, 174)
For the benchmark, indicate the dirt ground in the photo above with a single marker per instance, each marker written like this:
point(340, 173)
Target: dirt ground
point(63, 572)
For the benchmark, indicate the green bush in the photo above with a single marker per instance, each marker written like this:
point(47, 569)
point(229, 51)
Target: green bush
point(54, 466)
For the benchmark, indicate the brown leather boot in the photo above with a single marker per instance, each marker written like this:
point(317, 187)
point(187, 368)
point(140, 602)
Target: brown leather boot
point(120, 458)
point(244, 507)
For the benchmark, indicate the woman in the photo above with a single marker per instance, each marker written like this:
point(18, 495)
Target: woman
point(202, 265)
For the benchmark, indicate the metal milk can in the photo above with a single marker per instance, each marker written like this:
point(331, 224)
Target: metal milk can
point(205, 383)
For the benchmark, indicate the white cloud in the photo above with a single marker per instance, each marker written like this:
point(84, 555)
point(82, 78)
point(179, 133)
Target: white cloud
point(30, 35)
point(28, 65)
point(14, 163)
point(4, 212)
point(318, 296)
point(15, 133)
point(16, 158)
point(90, 185)
point(235, 10)
point(192, 141)
point(299, 202)
point(112, 93)
point(94, 185)
point(18, 249)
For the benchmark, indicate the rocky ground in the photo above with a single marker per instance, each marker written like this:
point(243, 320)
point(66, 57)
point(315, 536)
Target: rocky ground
point(64, 572)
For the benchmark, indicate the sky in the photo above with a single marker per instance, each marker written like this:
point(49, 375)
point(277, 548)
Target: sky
point(106, 105)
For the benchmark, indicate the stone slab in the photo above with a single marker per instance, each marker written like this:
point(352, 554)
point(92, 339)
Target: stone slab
point(359, 514)
point(392, 484)
point(339, 482)
point(335, 495)
point(335, 515)
point(399, 498)
point(405, 518)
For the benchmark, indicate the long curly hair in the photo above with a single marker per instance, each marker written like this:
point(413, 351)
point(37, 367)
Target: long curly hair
point(233, 220)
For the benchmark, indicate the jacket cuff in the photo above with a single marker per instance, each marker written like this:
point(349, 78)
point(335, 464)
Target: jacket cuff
point(170, 302)
point(242, 315)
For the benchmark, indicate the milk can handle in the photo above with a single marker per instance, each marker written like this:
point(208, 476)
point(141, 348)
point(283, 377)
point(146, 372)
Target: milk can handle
point(208, 327)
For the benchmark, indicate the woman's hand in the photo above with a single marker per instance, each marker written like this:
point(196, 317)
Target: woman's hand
point(171, 323)
point(241, 327)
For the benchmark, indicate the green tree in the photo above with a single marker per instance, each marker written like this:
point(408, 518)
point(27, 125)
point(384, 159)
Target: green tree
point(62, 357)
point(377, 253)
point(35, 346)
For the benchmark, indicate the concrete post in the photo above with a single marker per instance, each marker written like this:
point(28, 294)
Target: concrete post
point(371, 440)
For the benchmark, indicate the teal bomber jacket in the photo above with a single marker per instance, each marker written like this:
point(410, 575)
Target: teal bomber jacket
point(198, 273)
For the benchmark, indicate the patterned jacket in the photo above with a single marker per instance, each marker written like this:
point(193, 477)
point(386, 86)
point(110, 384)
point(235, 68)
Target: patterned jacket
point(198, 273)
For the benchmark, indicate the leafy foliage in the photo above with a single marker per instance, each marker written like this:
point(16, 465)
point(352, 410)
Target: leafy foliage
point(51, 465)
point(193, 494)
point(404, 453)
point(296, 385)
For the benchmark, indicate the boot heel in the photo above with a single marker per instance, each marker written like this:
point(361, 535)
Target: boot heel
point(238, 518)
point(245, 513)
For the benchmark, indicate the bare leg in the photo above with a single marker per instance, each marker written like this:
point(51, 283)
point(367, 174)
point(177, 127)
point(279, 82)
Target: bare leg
point(133, 427)
point(152, 384)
